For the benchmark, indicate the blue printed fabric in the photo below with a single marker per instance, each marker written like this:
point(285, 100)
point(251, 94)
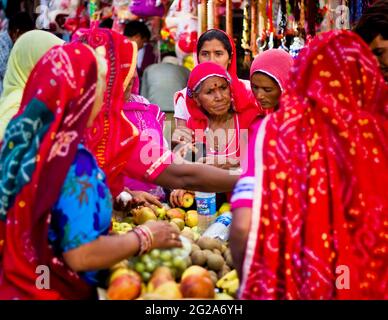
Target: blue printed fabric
point(83, 210)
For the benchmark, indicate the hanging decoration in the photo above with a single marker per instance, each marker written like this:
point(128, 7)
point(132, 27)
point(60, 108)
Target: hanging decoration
point(245, 39)
point(254, 26)
point(147, 8)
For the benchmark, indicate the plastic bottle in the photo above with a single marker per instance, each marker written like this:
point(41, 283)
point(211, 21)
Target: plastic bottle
point(220, 228)
point(206, 208)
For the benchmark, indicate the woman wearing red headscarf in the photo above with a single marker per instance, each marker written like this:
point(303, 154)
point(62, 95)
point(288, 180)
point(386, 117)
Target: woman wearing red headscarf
point(216, 46)
point(56, 208)
point(269, 74)
point(119, 148)
point(316, 223)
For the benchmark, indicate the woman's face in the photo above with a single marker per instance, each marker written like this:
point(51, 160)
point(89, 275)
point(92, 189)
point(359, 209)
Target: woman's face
point(266, 91)
point(214, 51)
point(214, 96)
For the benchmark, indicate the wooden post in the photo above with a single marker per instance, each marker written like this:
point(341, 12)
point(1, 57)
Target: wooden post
point(204, 15)
point(210, 14)
point(254, 26)
point(216, 16)
point(229, 18)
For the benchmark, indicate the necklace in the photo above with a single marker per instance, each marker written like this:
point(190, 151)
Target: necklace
point(218, 139)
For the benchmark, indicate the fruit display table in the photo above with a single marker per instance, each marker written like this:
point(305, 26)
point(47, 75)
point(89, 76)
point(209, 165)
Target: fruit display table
point(201, 269)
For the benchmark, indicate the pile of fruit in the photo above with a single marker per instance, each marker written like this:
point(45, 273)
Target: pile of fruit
point(203, 268)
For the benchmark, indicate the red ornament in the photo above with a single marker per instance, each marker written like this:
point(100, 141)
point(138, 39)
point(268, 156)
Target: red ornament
point(187, 41)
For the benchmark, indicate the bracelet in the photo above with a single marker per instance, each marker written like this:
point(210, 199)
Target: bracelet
point(146, 239)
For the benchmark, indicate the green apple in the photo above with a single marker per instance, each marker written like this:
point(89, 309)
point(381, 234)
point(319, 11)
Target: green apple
point(139, 267)
point(166, 255)
point(155, 254)
point(150, 266)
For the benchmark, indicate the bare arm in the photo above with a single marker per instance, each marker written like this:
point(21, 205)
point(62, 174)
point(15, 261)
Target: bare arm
point(195, 176)
point(239, 236)
point(106, 251)
point(103, 252)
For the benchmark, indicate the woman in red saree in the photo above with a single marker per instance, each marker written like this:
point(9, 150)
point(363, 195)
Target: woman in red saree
point(43, 137)
point(116, 142)
point(112, 136)
point(216, 46)
point(314, 221)
point(56, 208)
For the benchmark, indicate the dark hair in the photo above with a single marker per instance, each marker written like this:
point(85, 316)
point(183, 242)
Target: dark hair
point(373, 22)
point(106, 23)
point(132, 28)
point(21, 21)
point(215, 34)
point(167, 54)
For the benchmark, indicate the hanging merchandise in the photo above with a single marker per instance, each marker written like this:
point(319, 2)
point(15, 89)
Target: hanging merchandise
point(245, 39)
point(187, 40)
point(182, 24)
point(296, 46)
point(254, 26)
point(147, 8)
point(65, 15)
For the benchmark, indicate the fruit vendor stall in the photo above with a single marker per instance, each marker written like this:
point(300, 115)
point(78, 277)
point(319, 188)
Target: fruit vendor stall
point(201, 269)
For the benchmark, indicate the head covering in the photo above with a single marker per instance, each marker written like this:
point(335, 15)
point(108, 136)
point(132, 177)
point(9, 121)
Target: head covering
point(275, 63)
point(198, 119)
point(112, 134)
point(198, 75)
point(320, 208)
point(25, 54)
point(40, 143)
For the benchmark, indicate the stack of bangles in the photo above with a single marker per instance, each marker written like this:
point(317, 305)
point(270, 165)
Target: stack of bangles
point(146, 238)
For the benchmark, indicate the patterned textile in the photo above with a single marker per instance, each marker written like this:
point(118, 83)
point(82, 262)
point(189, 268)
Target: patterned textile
point(320, 213)
point(5, 49)
point(84, 209)
point(149, 120)
point(112, 133)
point(25, 54)
point(40, 143)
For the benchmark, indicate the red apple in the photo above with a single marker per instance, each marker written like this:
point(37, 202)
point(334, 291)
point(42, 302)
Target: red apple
point(196, 286)
point(125, 287)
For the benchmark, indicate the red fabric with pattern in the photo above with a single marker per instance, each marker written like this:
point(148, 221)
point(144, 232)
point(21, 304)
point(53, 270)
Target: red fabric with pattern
point(63, 83)
point(112, 135)
point(320, 216)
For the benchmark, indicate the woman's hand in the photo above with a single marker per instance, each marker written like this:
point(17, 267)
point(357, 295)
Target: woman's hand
point(164, 235)
point(181, 135)
point(138, 198)
point(176, 197)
